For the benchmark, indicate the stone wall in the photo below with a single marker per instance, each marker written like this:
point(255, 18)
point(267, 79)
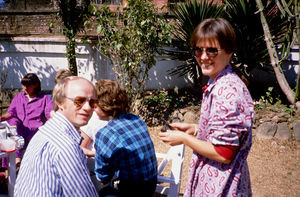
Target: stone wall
point(269, 123)
point(29, 23)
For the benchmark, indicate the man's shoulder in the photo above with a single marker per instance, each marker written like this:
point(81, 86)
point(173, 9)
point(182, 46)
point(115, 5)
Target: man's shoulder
point(56, 131)
point(129, 117)
point(125, 121)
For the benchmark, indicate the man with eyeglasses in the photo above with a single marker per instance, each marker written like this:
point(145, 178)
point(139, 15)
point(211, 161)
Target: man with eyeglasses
point(54, 164)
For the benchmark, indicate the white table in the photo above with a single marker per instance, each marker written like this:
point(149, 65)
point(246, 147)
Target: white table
point(11, 171)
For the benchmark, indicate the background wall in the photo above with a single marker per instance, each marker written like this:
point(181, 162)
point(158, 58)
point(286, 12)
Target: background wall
point(45, 55)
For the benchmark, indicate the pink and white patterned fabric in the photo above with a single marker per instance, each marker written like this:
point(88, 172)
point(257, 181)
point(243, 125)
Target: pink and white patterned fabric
point(227, 113)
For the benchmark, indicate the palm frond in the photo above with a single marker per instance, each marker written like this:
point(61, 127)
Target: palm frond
point(188, 15)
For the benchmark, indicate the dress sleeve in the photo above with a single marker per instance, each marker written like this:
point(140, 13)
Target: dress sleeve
point(226, 151)
point(12, 109)
point(228, 120)
point(73, 173)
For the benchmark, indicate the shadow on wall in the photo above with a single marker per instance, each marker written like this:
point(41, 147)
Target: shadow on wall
point(159, 77)
point(291, 67)
point(44, 56)
point(18, 61)
point(260, 80)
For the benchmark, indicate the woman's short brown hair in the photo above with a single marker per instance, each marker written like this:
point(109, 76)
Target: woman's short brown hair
point(219, 29)
point(215, 29)
point(112, 97)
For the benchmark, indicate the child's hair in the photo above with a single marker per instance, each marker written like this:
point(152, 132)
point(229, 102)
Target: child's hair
point(62, 74)
point(112, 97)
point(32, 79)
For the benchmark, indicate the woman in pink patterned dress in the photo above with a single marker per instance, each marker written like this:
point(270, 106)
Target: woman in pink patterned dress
point(224, 135)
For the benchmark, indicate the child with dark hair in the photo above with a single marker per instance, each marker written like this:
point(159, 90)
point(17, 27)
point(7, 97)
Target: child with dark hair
point(123, 145)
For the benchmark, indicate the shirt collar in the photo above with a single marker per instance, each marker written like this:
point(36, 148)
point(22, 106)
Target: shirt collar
point(69, 127)
point(210, 83)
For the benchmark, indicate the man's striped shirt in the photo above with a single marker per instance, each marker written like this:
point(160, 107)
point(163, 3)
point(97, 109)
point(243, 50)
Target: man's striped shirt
point(54, 164)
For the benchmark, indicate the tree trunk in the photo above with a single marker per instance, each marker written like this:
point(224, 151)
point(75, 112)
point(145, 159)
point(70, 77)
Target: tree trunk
point(71, 54)
point(286, 89)
point(297, 96)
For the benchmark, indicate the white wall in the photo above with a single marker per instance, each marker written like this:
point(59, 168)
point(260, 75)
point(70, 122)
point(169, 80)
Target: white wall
point(291, 66)
point(45, 55)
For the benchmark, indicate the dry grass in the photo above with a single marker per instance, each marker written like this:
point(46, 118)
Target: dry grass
point(163, 148)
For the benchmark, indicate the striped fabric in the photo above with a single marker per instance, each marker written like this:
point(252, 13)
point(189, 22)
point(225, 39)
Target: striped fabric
point(54, 164)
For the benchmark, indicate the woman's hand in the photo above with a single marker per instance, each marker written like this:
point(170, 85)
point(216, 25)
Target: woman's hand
point(172, 137)
point(188, 128)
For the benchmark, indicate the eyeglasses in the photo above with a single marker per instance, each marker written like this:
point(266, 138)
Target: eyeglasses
point(210, 51)
point(79, 101)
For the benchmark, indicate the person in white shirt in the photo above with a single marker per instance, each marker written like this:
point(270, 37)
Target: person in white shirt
point(88, 132)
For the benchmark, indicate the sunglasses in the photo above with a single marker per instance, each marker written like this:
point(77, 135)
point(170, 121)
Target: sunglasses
point(210, 51)
point(79, 101)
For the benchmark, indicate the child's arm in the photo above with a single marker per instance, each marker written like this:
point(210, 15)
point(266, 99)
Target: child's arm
point(84, 144)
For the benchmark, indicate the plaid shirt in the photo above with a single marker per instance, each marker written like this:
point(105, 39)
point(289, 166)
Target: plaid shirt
point(125, 145)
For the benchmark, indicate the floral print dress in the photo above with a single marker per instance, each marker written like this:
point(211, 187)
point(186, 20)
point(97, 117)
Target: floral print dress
point(226, 118)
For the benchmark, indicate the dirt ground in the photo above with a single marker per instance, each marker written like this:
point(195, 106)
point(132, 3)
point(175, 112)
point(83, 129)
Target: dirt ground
point(274, 166)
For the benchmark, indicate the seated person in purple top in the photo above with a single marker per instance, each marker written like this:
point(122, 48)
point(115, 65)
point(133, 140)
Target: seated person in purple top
point(28, 111)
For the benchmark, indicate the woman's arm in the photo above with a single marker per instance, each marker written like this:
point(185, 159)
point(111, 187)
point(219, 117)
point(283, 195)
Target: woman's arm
point(5, 116)
point(202, 147)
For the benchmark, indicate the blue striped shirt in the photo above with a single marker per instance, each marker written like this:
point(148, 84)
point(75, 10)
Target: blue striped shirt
point(124, 145)
point(54, 164)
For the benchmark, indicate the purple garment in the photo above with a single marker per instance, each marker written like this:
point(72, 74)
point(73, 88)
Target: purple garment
point(28, 116)
point(227, 113)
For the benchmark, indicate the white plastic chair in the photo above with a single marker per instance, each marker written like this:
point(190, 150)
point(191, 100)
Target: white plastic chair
point(176, 155)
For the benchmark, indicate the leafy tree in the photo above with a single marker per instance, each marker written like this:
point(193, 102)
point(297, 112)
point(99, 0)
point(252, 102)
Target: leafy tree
point(130, 38)
point(188, 15)
point(286, 10)
point(251, 50)
point(290, 12)
point(73, 14)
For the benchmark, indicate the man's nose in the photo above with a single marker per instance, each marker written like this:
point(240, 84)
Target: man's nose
point(87, 106)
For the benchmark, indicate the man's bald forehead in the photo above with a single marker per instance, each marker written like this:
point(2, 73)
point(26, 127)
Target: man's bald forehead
point(76, 80)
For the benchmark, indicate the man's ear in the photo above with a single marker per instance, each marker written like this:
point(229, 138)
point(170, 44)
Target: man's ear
point(60, 106)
